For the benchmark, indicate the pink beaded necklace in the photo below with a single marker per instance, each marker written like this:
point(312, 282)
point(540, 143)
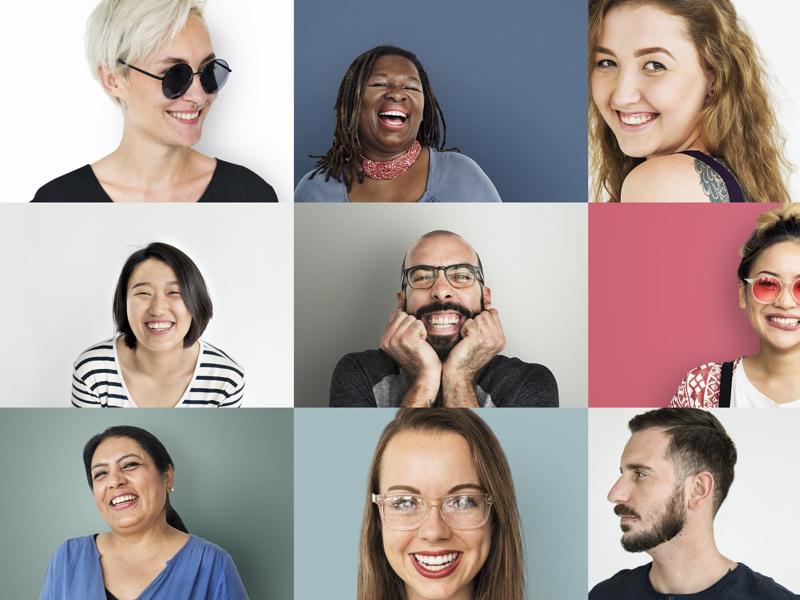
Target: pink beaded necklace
point(391, 169)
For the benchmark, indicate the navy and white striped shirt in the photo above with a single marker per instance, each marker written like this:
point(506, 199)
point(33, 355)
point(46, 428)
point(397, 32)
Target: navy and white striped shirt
point(97, 380)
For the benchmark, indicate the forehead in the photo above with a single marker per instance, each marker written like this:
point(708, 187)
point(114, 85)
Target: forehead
point(649, 448)
point(432, 462)
point(193, 42)
point(112, 448)
point(394, 66)
point(152, 271)
point(782, 258)
point(631, 27)
point(441, 250)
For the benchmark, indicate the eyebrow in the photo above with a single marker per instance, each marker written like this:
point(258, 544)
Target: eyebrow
point(452, 490)
point(776, 275)
point(120, 459)
point(638, 53)
point(637, 467)
point(387, 75)
point(147, 283)
point(174, 60)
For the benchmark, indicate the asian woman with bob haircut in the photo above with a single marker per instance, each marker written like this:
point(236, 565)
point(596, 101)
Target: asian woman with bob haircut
point(440, 516)
point(769, 295)
point(679, 108)
point(155, 60)
point(148, 553)
point(157, 359)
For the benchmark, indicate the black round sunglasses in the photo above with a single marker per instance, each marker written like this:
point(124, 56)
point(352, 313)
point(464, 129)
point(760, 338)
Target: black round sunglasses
point(178, 79)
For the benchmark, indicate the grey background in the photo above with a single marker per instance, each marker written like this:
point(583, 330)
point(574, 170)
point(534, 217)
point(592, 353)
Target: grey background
point(510, 77)
point(347, 273)
point(233, 487)
point(547, 451)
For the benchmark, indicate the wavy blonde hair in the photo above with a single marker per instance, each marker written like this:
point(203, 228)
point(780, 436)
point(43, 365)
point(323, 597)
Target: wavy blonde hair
point(737, 124)
point(501, 576)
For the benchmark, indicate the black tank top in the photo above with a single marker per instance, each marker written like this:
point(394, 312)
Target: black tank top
point(735, 193)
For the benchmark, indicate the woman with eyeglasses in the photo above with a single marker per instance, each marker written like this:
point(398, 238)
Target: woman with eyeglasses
point(155, 60)
point(440, 519)
point(769, 293)
point(148, 554)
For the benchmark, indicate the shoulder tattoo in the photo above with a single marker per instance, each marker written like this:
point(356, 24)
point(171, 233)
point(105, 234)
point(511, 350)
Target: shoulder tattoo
point(713, 185)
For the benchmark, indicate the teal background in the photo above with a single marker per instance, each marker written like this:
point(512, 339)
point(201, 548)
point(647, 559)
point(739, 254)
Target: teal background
point(547, 451)
point(233, 483)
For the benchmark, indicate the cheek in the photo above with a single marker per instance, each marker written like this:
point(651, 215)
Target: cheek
point(394, 546)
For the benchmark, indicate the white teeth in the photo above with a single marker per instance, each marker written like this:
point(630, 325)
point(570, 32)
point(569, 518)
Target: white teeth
point(121, 499)
point(789, 321)
point(443, 321)
point(184, 116)
point(638, 119)
point(392, 113)
point(160, 325)
point(436, 563)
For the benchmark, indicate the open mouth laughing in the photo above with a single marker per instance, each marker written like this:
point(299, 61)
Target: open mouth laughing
point(636, 121)
point(435, 565)
point(158, 327)
point(187, 117)
point(123, 501)
point(784, 322)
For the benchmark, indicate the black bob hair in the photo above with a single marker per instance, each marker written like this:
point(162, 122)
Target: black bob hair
point(154, 449)
point(193, 290)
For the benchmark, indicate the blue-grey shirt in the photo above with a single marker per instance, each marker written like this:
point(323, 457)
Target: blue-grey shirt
point(452, 177)
point(199, 571)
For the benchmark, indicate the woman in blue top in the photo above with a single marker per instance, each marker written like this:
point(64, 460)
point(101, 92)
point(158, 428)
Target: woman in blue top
point(389, 141)
point(148, 553)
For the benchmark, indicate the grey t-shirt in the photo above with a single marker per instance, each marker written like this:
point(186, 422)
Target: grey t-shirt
point(372, 378)
point(452, 177)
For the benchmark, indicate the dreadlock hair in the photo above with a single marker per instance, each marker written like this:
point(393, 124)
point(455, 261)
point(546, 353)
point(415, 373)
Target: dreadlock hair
point(343, 159)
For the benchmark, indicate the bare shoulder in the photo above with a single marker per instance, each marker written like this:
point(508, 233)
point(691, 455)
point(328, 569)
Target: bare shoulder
point(673, 178)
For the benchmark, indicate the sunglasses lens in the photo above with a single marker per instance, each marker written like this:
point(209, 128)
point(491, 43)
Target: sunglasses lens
point(767, 289)
point(796, 291)
point(176, 81)
point(214, 75)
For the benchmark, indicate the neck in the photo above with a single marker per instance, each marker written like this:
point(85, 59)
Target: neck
point(689, 563)
point(142, 541)
point(164, 363)
point(147, 163)
point(775, 363)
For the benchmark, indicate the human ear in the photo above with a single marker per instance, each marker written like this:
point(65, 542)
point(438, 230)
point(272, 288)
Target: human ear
point(702, 489)
point(110, 81)
point(742, 296)
point(487, 297)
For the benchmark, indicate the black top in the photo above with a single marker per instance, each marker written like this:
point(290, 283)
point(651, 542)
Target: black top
point(735, 193)
point(372, 378)
point(742, 583)
point(229, 183)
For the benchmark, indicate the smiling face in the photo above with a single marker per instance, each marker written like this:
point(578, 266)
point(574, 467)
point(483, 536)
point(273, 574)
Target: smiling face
point(391, 108)
point(648, 81)
point(649, 500)
point(148, 112)
point(129, 491)
point(156, 312)
point(435, 561)
point(442, 307)
point(777, 323)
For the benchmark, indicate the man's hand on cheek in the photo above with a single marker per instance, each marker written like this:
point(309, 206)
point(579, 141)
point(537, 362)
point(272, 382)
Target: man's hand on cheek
point(481, 339)
point(405, 340)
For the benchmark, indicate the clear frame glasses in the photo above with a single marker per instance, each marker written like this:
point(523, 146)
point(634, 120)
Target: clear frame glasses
point(177, 80)
point(766, 289)
point(459, 276)
point(404, 512)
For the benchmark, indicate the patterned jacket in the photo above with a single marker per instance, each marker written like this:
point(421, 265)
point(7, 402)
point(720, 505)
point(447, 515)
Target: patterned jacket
point(700, 387)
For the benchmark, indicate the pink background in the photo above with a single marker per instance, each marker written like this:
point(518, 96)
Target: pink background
point(663, 296)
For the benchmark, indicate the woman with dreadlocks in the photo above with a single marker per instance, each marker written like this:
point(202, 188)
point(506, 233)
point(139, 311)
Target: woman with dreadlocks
point(388, 144)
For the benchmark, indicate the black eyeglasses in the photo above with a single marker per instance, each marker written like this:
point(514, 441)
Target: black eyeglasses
point(424, 276)
point(178, 78)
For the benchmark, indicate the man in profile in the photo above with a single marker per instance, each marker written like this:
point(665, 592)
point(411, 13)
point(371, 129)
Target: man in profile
point(676, 470)
point(441, 344)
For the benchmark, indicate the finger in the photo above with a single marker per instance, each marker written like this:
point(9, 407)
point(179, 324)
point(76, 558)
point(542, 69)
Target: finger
point(410, 329)
point(468, 328)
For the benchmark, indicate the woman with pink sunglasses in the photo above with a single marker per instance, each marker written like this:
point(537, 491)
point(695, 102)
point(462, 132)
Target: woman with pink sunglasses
point(769, 293)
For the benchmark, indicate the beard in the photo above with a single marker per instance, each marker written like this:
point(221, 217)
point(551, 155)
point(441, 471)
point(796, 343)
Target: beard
point(443, 344)
point(667, 525)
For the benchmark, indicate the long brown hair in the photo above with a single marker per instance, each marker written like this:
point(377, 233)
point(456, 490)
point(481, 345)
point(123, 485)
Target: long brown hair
point(737, 124)
point(501, 576)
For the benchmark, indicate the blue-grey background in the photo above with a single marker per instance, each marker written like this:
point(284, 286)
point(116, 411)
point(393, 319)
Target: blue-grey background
point(233, 487)
point(547, 451)
point(510, 76)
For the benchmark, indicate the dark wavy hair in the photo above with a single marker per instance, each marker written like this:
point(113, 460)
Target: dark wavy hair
point(698, 442)
point(502, 575)
point(193, 290)
point(150, 444)
point(774, 226)
point(343, 159)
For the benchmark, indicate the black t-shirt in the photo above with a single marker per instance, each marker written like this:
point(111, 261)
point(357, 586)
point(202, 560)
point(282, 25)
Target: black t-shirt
point(372, 378)
point(229, 183)
point(742, 583)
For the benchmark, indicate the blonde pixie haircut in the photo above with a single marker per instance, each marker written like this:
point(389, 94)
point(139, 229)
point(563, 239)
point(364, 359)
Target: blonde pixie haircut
point(130, 30)
point(501, 577)
point(738, 122)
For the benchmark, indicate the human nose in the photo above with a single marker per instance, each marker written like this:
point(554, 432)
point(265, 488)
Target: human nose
point(619, 492)
point(196, 93)
point(433, 526)
point(395, 93)
point(626, 88)
point(116, 478)
point(786, 298)
point(158, 305)
point(441, 288)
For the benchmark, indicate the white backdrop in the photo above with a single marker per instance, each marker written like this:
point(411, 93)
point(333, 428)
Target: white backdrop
point(59, 266)
point(56, 117)
point(757, 524)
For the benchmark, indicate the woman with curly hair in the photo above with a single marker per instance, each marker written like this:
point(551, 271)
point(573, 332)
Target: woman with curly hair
point(769, 293)
point(679, 107)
